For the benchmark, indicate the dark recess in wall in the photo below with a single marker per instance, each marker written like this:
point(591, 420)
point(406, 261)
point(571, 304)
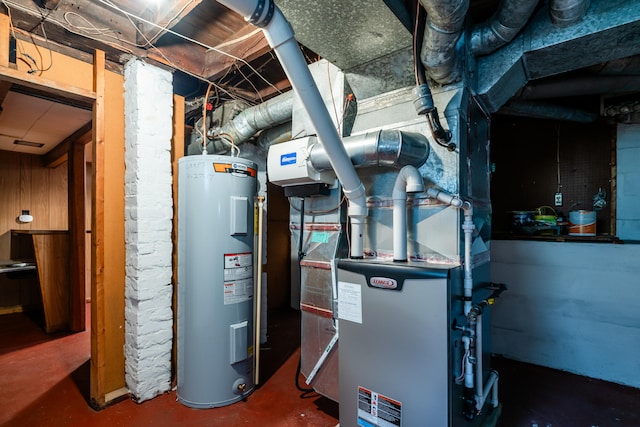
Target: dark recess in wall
point(524, 156)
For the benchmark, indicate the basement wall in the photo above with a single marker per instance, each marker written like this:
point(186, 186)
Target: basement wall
point(570, 306)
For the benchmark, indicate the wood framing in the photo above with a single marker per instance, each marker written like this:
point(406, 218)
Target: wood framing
point(97, 388)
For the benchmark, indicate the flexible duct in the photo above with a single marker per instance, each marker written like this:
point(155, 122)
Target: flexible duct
point(567, 12)
point(502, 27)
point(387, 148)
point(250, 121)
point(279, 35)
point(408, 180)
point(445, 19)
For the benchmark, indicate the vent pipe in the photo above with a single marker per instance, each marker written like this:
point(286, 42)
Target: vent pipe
point(278, 32)
point(408, 180)
point(502, 27)
point(387, 148)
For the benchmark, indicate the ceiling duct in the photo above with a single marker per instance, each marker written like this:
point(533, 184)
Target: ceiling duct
point(510, 17)
point(445, 19)
point(567, 12)
point(541, 110)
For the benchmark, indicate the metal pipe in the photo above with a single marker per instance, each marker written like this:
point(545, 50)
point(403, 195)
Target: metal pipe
point(387, 148)
point(279, 35)
point(408, 180)
point(445, 19)
point(502, 27)
point(567, 12)
point(258, 291)
point(479, 374)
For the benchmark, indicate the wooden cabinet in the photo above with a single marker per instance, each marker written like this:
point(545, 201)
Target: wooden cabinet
point(50, 250)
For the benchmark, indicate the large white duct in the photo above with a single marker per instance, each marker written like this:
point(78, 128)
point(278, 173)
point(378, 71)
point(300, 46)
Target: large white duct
point(279, 34)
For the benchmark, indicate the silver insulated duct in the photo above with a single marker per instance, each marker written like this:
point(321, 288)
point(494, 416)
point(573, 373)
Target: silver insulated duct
point(502, 27)
point(445, 19)
point(250, 121)
point(567, 12)
point(387, 148)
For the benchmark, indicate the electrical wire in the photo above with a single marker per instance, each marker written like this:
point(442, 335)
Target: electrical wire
point(197, 42)
point(91, 31)
point(204, 119)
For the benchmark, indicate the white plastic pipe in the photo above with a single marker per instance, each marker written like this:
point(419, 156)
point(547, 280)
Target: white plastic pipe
point(468, 227)
point(468, 366)
point(280, 36)
point(408, 180)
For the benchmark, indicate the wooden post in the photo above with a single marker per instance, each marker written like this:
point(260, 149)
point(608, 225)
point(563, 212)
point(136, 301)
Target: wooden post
point(77, 230)
point(97, 388)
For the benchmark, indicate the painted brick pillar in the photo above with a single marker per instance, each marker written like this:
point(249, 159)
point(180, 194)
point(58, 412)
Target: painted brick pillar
point(148, 108)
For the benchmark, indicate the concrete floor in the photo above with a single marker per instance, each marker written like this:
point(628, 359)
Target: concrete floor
point(44, 381)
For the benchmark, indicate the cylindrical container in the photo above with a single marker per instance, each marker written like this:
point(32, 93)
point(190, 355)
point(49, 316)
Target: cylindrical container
point(582, 223)
point(215, 280)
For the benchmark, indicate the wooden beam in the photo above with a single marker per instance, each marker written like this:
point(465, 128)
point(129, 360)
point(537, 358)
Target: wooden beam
point(251, 45)
point(4, 40)
point(4, 55)
point(47, 85)
point(187, 58)
point(164, 19)
point(98, 342)
point(177, 151)
point(58, 154)
point(76, 169)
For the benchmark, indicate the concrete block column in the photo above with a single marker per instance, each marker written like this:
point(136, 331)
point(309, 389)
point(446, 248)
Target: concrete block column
point(148, 108)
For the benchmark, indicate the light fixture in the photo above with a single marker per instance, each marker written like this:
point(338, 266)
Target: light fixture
point(29, 143)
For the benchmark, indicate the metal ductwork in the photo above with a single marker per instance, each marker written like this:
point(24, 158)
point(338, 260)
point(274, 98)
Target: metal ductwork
point(445, 19)
point(502, 27)
point(547, 111)
point(250, 121)
point(567, 12)
point(580, 86)
point(387, 148)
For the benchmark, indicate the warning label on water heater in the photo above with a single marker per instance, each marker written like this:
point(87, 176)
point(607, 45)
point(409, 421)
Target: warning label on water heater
point(376, 410)
point(238, 278)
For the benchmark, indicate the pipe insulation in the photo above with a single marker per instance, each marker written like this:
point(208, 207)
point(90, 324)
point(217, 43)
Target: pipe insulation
point(280, 36)
point(567, 12)
point(445, 19)
point(408, 180)
point(386, 148)
point(502, 26)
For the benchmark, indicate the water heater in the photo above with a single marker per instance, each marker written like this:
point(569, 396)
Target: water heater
point(215, 279)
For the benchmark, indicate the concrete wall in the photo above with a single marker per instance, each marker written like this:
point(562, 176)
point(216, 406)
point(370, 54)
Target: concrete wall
point(570, 306)
point(628, 174)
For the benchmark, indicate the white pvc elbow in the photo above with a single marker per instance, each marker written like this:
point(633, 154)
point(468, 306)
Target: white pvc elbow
point(408, 180)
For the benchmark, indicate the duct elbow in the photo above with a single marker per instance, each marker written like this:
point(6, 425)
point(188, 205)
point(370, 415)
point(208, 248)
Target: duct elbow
point(408, 180)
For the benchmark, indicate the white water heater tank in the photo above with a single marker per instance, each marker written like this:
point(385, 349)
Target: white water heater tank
point(215, 279)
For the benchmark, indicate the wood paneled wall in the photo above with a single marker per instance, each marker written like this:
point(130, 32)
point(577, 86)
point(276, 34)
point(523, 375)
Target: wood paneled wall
point(26, 184)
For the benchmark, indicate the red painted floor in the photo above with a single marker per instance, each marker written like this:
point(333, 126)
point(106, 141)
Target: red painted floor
point(44, 381)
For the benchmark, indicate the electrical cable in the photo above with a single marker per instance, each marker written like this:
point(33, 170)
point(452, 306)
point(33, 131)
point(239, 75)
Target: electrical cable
point(94, 33)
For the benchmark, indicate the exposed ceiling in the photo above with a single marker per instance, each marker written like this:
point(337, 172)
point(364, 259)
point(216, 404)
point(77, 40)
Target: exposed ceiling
point(208, 43)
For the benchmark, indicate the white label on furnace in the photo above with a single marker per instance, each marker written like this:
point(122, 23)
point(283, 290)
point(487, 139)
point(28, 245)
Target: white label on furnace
point(350, 302)
point(238, 277)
